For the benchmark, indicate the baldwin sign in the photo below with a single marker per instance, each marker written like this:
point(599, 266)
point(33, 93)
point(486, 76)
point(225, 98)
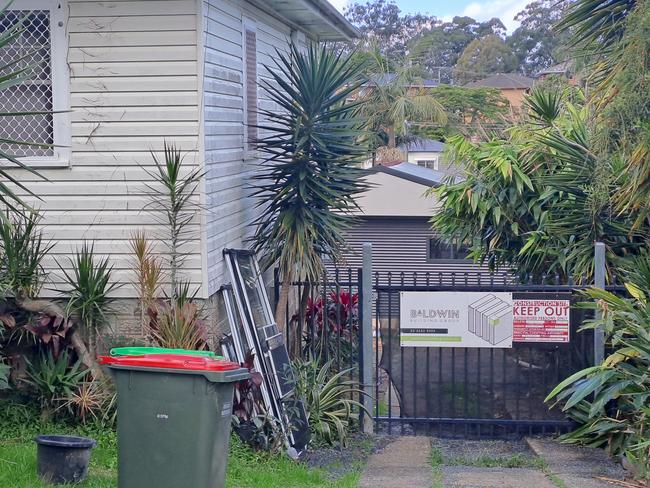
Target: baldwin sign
point(481, 319)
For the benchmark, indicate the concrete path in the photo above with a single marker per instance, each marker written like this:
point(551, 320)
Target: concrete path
point(478, 477)
point(577, 467)
point(404, 463)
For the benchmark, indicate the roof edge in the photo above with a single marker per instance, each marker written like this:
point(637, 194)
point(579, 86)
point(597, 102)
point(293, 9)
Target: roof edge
point(336, 18)
point(405, 176)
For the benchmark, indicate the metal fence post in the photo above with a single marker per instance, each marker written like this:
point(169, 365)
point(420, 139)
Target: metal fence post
point(599, 282)
point(366, 338)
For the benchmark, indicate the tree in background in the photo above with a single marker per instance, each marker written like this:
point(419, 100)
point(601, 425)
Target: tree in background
point(394, 99)
point(534, 42)
point(446, 41)
point(382, 23)
point(470, 111)
point(310, 175)
point(483, 57)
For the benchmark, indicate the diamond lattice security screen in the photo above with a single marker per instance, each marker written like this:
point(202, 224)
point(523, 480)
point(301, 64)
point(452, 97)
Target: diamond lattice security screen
point(30, 49)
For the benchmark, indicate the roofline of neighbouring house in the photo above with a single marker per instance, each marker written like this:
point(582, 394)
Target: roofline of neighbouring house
point(405, 176)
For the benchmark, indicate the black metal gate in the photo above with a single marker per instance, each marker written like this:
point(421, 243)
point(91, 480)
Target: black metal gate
point(471, 392)
point(446, 391)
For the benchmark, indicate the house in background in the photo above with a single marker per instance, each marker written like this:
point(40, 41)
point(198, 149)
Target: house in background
point(564, 70)
point(394, 216)
point(513, 87)
point(126, 76)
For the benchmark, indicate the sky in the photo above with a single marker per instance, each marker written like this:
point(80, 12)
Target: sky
point(446, 9)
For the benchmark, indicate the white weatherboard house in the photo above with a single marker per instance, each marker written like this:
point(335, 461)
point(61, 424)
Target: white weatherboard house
point(128, 76)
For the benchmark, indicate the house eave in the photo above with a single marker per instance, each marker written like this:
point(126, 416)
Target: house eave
point(318, 18)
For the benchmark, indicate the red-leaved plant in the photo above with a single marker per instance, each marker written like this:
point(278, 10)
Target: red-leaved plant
point(331, 328)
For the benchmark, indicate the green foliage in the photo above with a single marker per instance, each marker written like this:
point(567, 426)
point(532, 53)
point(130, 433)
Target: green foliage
point(329, 399)
point(5, 369)
point(534, 42)
point(174, 202)
point(614, 38)
point(311, 147)
point(89, 288)
point(446, 40)
point(483, 57)
point(611, 400)
point(54, 378)
point(22, 250)
point(469, 111)
point(178, 322)
point(539, 198)
point(394, 97)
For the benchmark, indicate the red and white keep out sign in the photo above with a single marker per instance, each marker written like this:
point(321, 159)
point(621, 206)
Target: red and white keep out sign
point(540, 320)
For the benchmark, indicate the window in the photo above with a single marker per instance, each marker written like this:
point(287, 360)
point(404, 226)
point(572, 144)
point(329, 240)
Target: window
point(428, 163)
point(442, 250)
point(250, 84)
point(41, 47)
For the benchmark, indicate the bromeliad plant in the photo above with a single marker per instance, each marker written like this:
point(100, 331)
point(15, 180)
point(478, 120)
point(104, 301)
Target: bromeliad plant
point(311, 172)
point(54, 378)
point(329, 399)
point(611, 401)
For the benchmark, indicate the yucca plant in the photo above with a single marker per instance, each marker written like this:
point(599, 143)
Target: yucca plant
point(89, 290)
point(174, 202)
point(611, 401)
point(22, 249)
point(310, 176)
point(329, 399)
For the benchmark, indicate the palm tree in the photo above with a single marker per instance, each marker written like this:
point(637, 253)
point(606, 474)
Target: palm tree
point(396, 97)
point(311, 168)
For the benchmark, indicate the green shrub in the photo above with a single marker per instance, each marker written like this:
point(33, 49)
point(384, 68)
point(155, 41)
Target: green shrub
point(329, 400)
point(54, 378)
point(611, 401)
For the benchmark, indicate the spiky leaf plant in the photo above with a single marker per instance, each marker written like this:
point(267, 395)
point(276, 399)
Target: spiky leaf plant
point(89, 283)
point(311, 172)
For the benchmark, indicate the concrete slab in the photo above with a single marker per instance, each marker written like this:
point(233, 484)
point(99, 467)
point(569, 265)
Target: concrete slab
point(475, 477)
point(577, 466)
point(406, 462)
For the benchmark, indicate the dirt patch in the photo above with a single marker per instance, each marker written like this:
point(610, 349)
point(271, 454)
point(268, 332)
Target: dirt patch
point(338, 461)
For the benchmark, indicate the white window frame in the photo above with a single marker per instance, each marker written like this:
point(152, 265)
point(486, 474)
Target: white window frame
point(60, 83)
point(435, 159)
point(251, 25)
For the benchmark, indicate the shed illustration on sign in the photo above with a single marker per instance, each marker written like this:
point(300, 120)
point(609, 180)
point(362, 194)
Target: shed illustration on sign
point(490, 318)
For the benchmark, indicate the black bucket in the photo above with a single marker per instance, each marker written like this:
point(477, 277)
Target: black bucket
point(63, 459)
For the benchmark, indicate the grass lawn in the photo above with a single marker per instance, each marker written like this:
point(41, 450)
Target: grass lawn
point(246, 469)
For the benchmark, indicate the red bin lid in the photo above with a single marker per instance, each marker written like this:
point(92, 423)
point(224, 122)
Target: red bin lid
point(170, 361)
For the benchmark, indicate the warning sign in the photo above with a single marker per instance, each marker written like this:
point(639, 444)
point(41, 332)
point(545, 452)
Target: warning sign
point(541, 318)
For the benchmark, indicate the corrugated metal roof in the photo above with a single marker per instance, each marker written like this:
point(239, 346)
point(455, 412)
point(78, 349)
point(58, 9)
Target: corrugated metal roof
point(413, 172)
point(423, 145)
point(503, 81)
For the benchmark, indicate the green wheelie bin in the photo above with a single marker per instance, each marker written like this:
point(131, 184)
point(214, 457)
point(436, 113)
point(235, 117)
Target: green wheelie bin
point(173, 419)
